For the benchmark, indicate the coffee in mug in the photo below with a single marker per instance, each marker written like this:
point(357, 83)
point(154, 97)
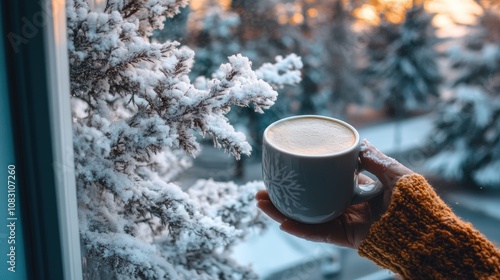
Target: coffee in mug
point(311, 136)
point(310, 167)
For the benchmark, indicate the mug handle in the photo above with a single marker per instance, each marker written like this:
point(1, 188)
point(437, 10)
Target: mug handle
point(365, 192)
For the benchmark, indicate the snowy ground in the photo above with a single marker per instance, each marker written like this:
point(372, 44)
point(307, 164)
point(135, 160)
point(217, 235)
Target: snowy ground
point(276, 255)
point(411, 133)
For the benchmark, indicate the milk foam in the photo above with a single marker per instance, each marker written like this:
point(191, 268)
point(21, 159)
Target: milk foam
point(311, 136)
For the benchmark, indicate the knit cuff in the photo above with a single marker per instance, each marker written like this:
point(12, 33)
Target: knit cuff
point(419, 237)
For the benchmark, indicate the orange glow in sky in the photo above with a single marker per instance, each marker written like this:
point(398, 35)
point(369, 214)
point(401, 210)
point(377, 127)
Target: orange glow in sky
point(450, 11)
point(447, 14)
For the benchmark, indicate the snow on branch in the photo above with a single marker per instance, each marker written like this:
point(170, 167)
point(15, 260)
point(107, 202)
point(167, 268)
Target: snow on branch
point(286, 71)
point(150, 14)
point(230, 202)
point(136, 113)
point(154, 78)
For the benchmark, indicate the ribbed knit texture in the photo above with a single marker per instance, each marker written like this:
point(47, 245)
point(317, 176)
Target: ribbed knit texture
point(419, 237)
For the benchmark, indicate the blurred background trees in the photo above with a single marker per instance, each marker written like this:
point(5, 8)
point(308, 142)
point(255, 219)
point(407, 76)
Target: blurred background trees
point(402, 64)
point(380, 56)
point(466, 138)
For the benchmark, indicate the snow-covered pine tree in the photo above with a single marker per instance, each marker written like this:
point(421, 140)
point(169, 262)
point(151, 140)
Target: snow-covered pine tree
point(211, 31)
point(408, 73)
point(466, 135)
point(320, 31)
point(247, 27)
point(136, 115)
point(379, 38)
point(341, 63)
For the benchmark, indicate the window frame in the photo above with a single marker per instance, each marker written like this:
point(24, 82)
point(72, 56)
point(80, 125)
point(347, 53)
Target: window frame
point(37, 81)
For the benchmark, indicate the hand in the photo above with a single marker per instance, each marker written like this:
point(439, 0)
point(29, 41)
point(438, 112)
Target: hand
point(351, 227)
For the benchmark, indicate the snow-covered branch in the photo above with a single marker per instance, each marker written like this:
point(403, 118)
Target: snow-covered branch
point(286, 71)
point(136, 114)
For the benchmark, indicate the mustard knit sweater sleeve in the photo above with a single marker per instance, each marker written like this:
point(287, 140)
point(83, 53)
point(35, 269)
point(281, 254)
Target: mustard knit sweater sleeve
point(419, 237)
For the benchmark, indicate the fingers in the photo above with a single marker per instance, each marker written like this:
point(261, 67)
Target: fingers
point(331, 232)
point(262, 194)
point(265, 204)
point(267, 207)
point(386, 169)
point(363, 179)
point(306, 231)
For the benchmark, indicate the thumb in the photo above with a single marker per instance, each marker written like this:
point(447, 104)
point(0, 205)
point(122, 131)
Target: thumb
point(386, 169)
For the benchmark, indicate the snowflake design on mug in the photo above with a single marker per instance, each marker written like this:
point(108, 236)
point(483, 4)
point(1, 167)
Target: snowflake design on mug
point(282, 185)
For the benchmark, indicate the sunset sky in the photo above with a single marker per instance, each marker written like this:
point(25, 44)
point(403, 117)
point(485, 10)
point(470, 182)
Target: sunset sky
point(462, 11)
point(448, 13)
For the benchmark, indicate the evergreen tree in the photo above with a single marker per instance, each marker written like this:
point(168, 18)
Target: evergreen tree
point(319, 31)
point(341, 62)
point(407, 70)
point(378, 47)
point(328, 44)
point(247, 27)
point(211, 35)
point(467, 133)
point(176, 27)
point(136, 115)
